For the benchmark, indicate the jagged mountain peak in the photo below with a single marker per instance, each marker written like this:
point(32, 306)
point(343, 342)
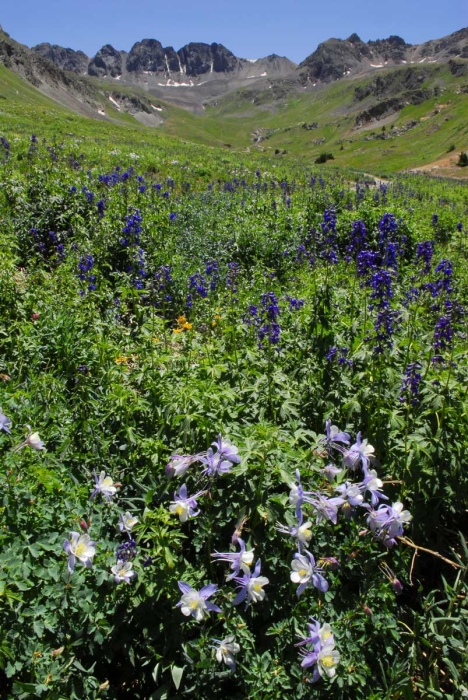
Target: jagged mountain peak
point(64, 58)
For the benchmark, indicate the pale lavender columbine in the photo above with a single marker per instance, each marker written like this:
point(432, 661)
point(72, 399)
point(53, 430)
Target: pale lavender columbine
point(360, 453)
point(305, 572)
point(326, 508)
point(216, 463)
point(227, 450)
point(33, 440)
point(123, 571)
point(319, 635)
point(225, 650)
point(183, 505)
point(80, 547)
point(387, 522)
point(333, 436)
point(179, 464)
point(5, 423)
point(297, 495)
point(239, 560)
point(104, 485)
point(323, 655)
point(351, 495)
point(251, 586)
point(325, 659)
point(302, 532)
point(195, 603)
point(127, 522)
point(372, 484)
point(330, 472)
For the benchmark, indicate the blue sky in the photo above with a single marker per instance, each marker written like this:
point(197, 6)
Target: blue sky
point(249, 28)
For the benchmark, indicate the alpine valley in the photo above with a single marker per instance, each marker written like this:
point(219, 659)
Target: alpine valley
point(381, 105)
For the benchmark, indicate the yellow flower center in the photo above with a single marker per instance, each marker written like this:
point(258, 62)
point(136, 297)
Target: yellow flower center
point(193, 605)
point(179, 510)
point(257, 587)
point(327, 635)
point(302, 572)
point(80, 549)
point(328, 661)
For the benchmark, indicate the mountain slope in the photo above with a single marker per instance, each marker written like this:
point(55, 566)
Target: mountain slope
point(396, 116)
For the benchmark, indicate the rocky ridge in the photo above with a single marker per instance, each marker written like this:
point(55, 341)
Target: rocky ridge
point(66, 59)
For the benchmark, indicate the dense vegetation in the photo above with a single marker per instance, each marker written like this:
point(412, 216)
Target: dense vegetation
point(153, 299)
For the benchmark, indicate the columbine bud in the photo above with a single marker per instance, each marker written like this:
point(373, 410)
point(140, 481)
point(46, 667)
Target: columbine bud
point(397, 586)
point(57, 652)
point(329, 563)
point(368, 611)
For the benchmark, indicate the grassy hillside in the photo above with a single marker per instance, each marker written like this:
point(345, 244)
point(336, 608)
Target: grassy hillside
point(273, 121)
point(158, 297)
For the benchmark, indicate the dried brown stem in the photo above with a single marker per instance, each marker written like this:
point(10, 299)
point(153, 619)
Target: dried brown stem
point(407, 541)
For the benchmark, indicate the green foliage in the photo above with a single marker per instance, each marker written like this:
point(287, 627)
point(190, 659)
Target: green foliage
point(122, 363)
point(323, 157)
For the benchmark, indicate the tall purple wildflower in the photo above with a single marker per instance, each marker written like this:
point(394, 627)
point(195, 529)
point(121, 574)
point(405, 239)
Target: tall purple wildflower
point(410, 384)
point(424, 253)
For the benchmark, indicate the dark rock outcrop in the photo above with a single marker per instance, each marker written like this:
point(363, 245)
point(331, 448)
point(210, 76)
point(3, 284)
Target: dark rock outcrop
point(66, 59)
point(193, 59)
point(336, 58)
point(131, 103)
point(391, 105)
point(107, 61)
point(458, 68)
point(199, 58)
point(392, 83)
point(147, 55)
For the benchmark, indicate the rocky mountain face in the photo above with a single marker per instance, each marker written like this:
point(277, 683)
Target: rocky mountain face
point(107, 62)
point(66, 59)
point(146, 56)
point(338, 58)
point(156, 68)
point(200, 74)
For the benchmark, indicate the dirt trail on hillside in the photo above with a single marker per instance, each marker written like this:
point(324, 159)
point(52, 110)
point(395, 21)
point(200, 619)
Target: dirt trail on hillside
point(444, 167)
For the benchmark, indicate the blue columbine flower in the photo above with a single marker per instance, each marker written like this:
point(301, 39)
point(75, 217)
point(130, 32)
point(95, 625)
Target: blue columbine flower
point(185, 506)
point(195, 603)
point(251, 586)
point(238, 560)
point(5, 423)
point(305, 572)
point(323, 654)
point(79, 547)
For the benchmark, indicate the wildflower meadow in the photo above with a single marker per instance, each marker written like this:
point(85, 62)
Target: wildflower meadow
point(233, 427)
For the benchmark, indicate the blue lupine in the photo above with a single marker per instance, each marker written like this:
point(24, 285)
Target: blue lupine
point(212, 271)
point(443, 333)
point(424, 253)
point(357, 239)
point(101, 207)
point(410, 384)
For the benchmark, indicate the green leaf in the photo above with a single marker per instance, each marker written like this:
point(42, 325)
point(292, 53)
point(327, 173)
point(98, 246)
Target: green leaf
point(177, 674)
